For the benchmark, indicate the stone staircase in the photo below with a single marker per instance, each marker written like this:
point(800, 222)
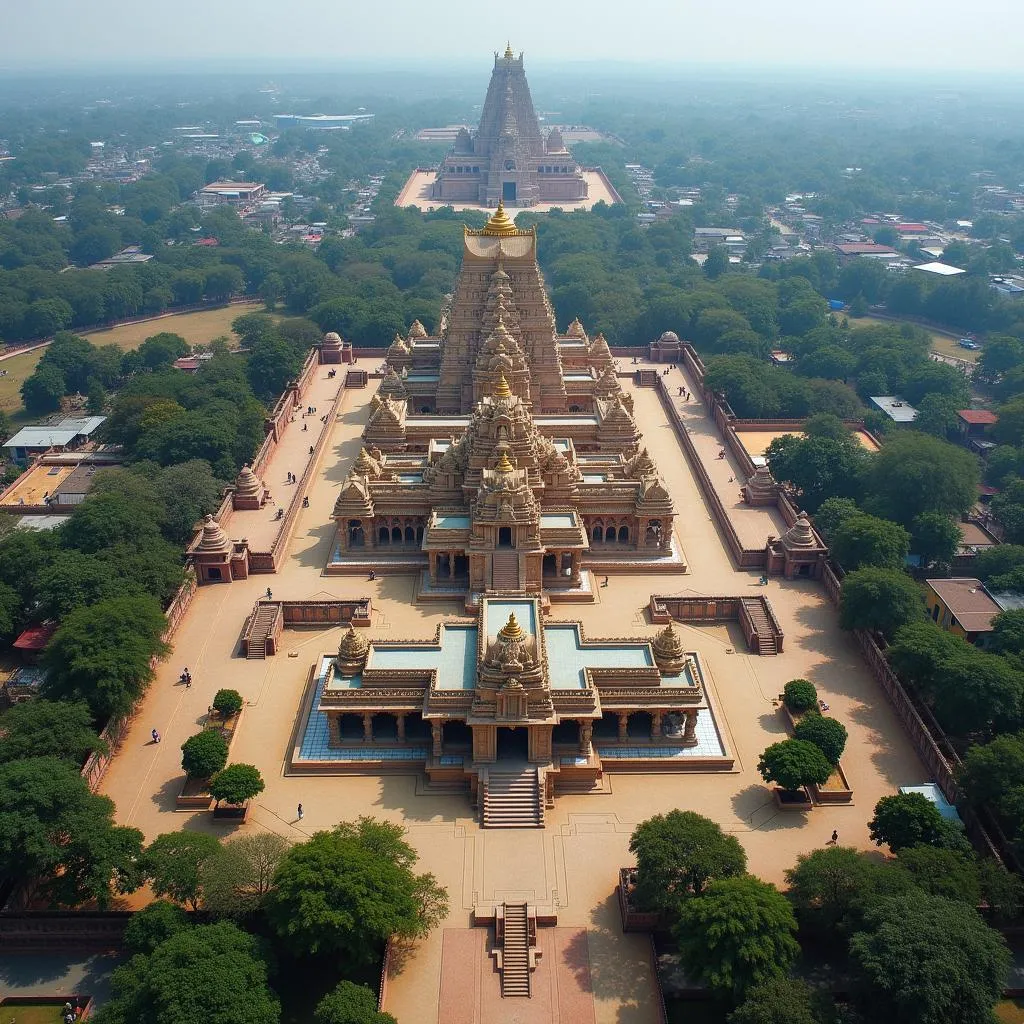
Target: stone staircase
point(505, 571)
point(515, 952)
point(513, 799)
point(765, 636)
point(647, 378)
point(356, 379)
point(262, 625)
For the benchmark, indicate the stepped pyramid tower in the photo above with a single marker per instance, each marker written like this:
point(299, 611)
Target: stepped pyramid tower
point(508, 158)
point(500, 453)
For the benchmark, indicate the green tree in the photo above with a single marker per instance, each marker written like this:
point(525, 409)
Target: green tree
point(43, 391)
point(817, 468)
point(204, 754)
point(1008, 509)
point(47, 316)
point(793, 764)
point(1002, 566)
point(952, 874)
point(977, 692)
point(738, 934)
point(154, 924)
point(832, 513)
point(717, 262)
point(173, 863)
point(778, 1001)
point(920, 652)
point(678, 854)
point(346, 891)
point(74, 579)
point(827, 734)
point(236, 784)
point(103, 654)
point(800, 695)
point(937, 415)
point(43, 728)
point(160, 350)
point(911, 819)
point(866, 540)
point(879, 599)
point(227, 702)
point(237, 878)
point(348, 1003)
point(924, 960)
point(212, 973)
point(222, 282)
point(52, 827)
point(1009, 429)
point(270, 365)
point(915, 473)
point(188, 491)
point(935, 537)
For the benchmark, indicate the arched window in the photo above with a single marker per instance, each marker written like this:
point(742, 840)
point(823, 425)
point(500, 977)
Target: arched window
point(597, 534)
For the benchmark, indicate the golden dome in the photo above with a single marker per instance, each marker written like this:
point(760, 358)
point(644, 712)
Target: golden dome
point(501, 389)
point(508, 50)
point(504, 466)
point(511, 632)
point(500, 222)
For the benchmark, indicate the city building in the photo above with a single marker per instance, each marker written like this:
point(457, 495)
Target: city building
point(243, 195)
point(895, 408)
point(508, 159)
point(965, 607)
point(71, 432)
point(321, 122)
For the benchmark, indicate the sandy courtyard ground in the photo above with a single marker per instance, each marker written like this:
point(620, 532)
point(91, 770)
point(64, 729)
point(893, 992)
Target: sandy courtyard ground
point(572, 863)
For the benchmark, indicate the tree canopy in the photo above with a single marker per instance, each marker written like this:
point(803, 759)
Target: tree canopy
point(43, 728)
point(173, 863)
point(349, 1003)
point(879, 599)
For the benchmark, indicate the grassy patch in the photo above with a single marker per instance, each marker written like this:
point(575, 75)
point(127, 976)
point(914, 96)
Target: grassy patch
point(31, 1013)
point(199, 328)
point(1010, 1011)
point(19, 369)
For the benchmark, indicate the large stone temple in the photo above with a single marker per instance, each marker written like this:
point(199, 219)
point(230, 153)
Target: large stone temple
point(508, 158)
point(502, 453)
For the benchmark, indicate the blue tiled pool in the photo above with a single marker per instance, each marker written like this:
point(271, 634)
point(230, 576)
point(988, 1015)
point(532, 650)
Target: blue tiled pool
point(451, 522)
point(410, 478)
point(594, 478)
point(499, 611)
point(557, 520)
point(455, 661)
point(567, 657)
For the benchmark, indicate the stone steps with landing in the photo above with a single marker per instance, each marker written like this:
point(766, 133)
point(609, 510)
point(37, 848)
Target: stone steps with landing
point(765, 637)
point(515, 952)
point(505, 571)
point(261, 629)
point(513, 799)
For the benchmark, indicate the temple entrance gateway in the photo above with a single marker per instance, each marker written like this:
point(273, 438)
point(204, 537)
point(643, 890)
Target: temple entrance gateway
point(513, 743)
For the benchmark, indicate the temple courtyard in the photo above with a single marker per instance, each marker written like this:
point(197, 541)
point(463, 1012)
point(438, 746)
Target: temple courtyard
point(590, 970)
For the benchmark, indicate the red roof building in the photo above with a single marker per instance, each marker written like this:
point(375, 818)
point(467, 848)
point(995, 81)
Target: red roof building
point(912, 229)
point(35, 638)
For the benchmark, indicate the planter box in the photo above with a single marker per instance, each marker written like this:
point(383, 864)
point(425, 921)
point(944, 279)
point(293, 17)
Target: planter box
point(228, 726)
point(786, 801)
point(231, 812)
point(836, 790)
point(634, 920)
point(194, 795)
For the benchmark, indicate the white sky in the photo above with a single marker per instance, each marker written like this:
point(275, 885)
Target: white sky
point(937, 35)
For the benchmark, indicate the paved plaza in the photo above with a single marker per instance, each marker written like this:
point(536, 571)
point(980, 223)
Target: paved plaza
point(572, 863)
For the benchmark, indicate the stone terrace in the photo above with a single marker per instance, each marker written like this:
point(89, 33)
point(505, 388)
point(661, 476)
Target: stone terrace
point(591, 831)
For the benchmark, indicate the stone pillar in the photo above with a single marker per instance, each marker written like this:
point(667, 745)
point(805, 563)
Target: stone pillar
point(576, 560)
point(485, 743)
point(435, 735)
point(334, 730)
point(586, 735)
point(656, 726)
point(539, 745)
point(690, 730)
point(400, 726)
point(367, 727)
point(432, 556)
point(623, 726)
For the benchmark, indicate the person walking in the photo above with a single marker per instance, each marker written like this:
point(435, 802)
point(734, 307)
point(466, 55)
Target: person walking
point(270, 595)
point(835, 836)
point(300, 812)
point(156, 736)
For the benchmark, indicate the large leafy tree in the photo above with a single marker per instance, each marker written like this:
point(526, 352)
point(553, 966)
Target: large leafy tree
point(921, 650)
point(204, 754)
point(237, 878)
point(678, 854)
point(867, 540)
point(53, 827)
point(778, 1001)
point(348, 1003)
point(793, 764)
point(924, 960)
point(212, 973)
point(347, 890)
point(737, 934)
point(236, 784)
point(879, 599)
point(173, 862)
point(102, 654)
point(818, 468)
point(44, 728)
point(935, 537)
point(978, 692)
point(827, 734)
point(154, 924)
point(915, 473)
point(911, 819)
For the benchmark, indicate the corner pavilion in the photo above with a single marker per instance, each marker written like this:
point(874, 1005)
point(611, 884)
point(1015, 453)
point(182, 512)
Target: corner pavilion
point(501, 464)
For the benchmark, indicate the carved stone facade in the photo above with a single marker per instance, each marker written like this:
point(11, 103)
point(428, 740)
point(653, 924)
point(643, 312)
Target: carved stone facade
point(508, 158)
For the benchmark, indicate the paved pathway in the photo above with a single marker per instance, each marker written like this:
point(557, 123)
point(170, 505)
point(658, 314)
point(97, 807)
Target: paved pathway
point(573, 862)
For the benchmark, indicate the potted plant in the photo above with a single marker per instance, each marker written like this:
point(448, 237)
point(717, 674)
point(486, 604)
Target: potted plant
point(829, 736)
point(235, 785)
point(202, 756)
point(793, 765)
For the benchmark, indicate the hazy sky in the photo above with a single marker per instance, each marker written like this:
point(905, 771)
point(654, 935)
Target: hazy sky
point(980, 35)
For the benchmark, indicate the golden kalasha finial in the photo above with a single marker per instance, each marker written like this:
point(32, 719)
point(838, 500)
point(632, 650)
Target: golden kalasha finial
point(501, 389)
point(504, 466)
point(511, 630)
point(508, 51)
point(500, 223)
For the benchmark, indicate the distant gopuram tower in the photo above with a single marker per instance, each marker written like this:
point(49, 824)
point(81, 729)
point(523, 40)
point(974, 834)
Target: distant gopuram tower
point(508, 158)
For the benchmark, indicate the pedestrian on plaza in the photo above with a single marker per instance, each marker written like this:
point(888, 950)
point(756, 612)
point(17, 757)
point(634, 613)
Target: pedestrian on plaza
point(305, 426)
point(270, 596)
point(310, 449)
point(156, 736)
point(604, 582)
point(300, 812)
point(373, 574)
point(835, 836)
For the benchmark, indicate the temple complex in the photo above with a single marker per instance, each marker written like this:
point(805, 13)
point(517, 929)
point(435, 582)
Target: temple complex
point(502, 452)
point(508, 159)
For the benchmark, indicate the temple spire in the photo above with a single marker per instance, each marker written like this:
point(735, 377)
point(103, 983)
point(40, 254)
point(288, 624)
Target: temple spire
point(508, 50)
point(501, 389)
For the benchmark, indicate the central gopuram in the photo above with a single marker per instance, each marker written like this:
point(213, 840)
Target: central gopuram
point(502, 453)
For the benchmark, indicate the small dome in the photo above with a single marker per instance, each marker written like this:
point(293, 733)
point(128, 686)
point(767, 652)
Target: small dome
point(504, 466)
point(511, 632)
point(669, 337)
point(575, 329)
point(332, 341)
point(502, 390)
point(668, 650)
point(248, 484)
point(800, 534)
point(500, 222)
point(353, 647)
point(214, 539)
point(417, 330)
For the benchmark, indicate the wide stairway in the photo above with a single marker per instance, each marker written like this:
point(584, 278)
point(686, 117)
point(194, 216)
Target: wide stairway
point(515, 952)
point(505, 571)
point(513, 799)
point(262, 624)
point(765, 636)
point(647, 378)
